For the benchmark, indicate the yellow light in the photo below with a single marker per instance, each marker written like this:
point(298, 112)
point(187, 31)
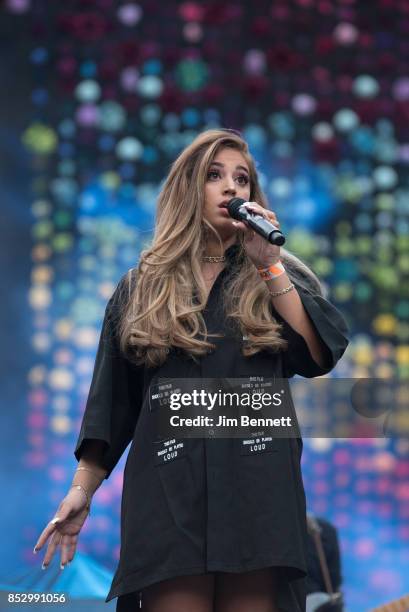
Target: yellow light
point(37, 374)
point(110, 180)
point(363, 355)
point(61, 403)
point(384, 370)
point(402, 354)
point(385, 324)
point(41, 252)
point(63, 329)
point(61, 379)
point(42, 274)
point(41, 342)
point(60, 424)
point(86, 337)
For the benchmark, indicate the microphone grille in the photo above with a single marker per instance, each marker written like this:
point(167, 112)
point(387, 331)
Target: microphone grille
point(233, 207)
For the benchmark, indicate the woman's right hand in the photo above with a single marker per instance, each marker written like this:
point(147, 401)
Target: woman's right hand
point(63, 530)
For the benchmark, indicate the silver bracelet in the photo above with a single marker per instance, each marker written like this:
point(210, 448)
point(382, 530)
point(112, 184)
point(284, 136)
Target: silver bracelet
point(286, 290)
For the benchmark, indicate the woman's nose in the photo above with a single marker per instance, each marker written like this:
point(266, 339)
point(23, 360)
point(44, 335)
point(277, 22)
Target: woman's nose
point(229, 186)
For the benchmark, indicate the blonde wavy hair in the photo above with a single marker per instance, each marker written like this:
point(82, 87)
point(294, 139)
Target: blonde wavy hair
point(166, 293)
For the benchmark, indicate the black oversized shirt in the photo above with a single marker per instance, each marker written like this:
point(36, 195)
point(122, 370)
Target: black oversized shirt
point(213, 507)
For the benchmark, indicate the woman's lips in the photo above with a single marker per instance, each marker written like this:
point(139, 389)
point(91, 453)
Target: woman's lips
point(224, 211)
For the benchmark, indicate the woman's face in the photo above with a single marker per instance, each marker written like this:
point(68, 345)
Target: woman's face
point(228, 177)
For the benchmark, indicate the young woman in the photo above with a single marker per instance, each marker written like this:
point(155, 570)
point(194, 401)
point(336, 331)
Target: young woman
point(214, 528)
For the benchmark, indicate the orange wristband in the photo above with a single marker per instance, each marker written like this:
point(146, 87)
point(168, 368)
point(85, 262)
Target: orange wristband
point(273, 271)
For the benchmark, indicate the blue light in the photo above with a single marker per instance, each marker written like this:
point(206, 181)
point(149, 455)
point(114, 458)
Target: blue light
point(150, 155)
point(88, 69)
point(152, 66)
point(39, 55)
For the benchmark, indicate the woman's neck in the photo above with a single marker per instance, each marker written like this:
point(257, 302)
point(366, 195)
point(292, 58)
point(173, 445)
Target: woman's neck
point(213, 248)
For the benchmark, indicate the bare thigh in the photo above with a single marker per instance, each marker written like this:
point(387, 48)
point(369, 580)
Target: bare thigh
point(180, 594)
point(246, 592)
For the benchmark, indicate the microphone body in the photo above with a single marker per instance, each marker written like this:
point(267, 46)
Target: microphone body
point(258, 223)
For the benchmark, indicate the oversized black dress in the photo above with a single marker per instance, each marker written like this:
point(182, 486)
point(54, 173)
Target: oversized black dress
point(214, 507)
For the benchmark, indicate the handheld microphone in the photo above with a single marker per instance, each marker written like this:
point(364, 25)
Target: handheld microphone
point(258, 223)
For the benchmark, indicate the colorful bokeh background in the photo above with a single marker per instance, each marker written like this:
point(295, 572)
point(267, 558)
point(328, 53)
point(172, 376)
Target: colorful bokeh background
point(98, 98)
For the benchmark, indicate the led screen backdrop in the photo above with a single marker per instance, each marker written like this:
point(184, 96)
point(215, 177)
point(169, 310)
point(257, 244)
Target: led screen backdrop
point(100, 97)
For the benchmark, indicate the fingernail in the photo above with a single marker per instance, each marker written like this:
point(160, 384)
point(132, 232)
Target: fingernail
point(61, 566)
point(44, 566)
point(54, 521)
point(234, 222)
point(35, 551)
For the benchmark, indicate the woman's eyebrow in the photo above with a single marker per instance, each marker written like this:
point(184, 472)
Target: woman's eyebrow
point(222, 166)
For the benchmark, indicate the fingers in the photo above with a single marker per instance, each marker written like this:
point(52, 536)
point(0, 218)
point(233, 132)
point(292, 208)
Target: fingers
point(52, 545)
point(47, 532)
point(72, 548)
point(265, 212)
point(62, 513)
point(68, 545)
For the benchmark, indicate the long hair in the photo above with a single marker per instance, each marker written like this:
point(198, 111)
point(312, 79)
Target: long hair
point(166, 292)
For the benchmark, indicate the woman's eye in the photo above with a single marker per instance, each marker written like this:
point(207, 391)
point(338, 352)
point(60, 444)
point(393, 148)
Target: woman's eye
point(215, 174)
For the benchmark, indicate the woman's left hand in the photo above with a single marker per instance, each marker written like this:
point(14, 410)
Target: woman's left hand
point(261, 252)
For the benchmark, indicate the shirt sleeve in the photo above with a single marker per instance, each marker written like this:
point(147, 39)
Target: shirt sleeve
point(115, 395)
point(331, 327)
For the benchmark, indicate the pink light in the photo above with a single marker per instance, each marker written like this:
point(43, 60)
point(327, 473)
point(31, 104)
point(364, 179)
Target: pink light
point(87, 115)
point(402, 491)
point(100, 546)
point(342, 500)
point(383, 486)
point(385, 579)
point(321, 467)
point(193, 32)
point(35, 459)
point(320, 506)
point(129, 78)
point(385, 510)
point(254, 61)
point(342, 480)
point(18, 6)
point(130, 14)
point(342, 520)
point(280, 12)
point(342, 457)
point(401, 89)
point(363, 486)
point(37, 420)
point(105, 496)
point(321, 487)
point(364, 547)
point(346, 34)
point(58, 473)
point(38, 398)
point(190, 11)
point(404, 153)
point(402, 469)
point(365, 507)
point(36, 439)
